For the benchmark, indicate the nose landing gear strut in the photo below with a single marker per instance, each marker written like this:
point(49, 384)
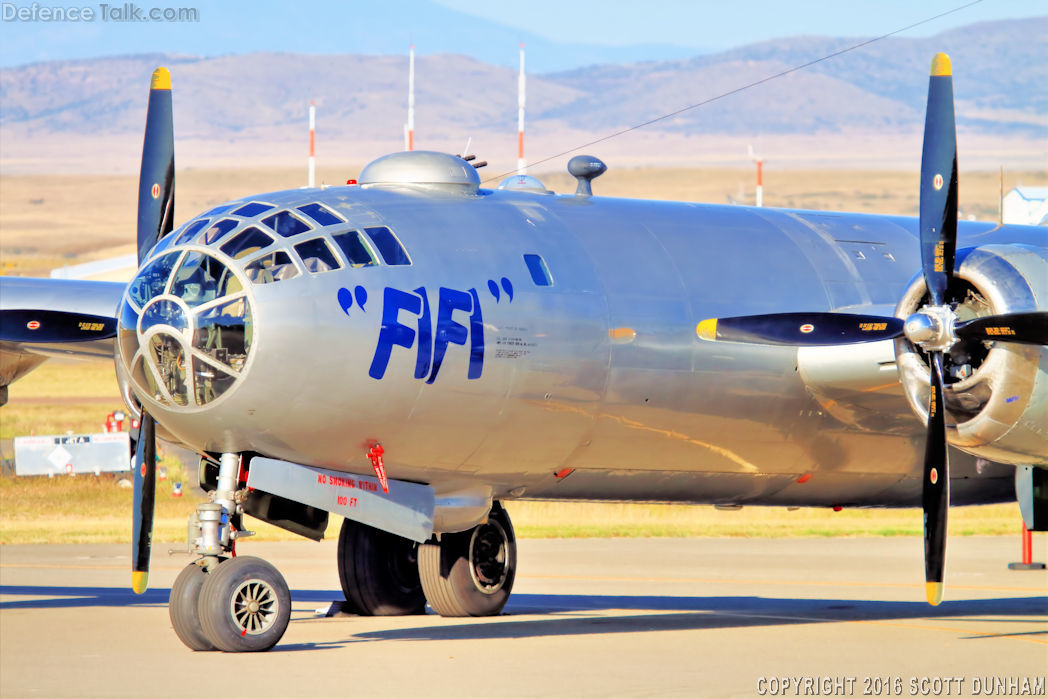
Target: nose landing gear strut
point(221, 601)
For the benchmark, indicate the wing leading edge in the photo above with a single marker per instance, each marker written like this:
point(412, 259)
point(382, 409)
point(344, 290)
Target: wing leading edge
point(41, 318)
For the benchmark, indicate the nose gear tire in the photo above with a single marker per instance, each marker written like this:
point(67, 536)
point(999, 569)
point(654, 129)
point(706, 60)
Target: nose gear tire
point(244, 605)
point(182, 608)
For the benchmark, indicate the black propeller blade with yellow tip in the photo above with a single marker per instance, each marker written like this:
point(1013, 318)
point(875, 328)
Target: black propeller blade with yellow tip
point(1023, 328)
point(801, 329)
point(156, 179)
point(934, 328)
point(144, 500)
point(938, 229)
point(156, 202)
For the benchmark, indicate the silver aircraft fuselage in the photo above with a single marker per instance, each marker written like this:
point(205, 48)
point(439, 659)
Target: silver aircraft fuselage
point(574, 372)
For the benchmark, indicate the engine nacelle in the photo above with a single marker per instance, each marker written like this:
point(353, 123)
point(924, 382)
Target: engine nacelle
point(998, 406)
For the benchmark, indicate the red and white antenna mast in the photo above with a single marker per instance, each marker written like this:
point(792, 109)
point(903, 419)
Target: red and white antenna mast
point(522, 165)
point(760, 175)
point(409, 128)
point(311, 180)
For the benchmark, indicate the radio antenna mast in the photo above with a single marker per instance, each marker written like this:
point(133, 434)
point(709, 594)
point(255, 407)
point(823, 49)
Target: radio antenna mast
point(522, 164)
point(760, 175)
point(311, 180)
point(409, 128)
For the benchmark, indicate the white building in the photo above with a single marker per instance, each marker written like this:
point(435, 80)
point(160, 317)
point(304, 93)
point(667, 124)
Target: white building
point(1026, 205)
point(114, 269)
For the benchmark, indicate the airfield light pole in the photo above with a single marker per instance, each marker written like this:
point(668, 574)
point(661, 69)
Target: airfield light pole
point(312, 179)
point(409, 129)
point(760, 176)
point(522, 165)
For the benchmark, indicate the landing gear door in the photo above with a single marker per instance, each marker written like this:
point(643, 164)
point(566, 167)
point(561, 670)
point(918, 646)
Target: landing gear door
point(406, 510)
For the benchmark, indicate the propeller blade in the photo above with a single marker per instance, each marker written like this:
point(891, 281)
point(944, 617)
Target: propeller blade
point(54, 326)
point(1024, 328)
point(144, 498)
point(938, 216)
point(156, 183)
point(935, 496)
point(806, 329)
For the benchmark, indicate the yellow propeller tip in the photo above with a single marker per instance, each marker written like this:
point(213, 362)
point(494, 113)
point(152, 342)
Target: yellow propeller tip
point(139, 581)
point(161, 79)
point(934, 592)
point(941, 65)
point(707, 329)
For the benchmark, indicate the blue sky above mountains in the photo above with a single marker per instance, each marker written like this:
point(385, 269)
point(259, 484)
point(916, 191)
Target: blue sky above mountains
point(559, 35)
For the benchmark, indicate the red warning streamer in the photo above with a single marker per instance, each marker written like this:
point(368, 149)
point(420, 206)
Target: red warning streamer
point(375, 455)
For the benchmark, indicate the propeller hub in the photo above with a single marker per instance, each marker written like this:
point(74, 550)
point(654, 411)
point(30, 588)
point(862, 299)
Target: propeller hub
point(932, 328)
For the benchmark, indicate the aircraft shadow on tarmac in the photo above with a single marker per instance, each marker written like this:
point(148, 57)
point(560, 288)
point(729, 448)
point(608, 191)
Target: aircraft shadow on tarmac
point(584, 614)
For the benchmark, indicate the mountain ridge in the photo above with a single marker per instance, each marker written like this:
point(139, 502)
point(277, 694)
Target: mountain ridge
point(260, 97)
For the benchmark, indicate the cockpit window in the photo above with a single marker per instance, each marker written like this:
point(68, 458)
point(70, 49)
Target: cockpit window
point(388, 246)
point(274, 267)
point(354, 248)
point(165, 312)
point(164, 244)
point(170, 357)
point(187, 234)
point(186, 340)
point(224, 333)
point(252, 209)
point(246, 242)
point(538, 269)
point(317, 256)
point(285, 224)
point(201, 279)
point(210, 381)
point(217, 230)
point(321, 214)
point(152, 280)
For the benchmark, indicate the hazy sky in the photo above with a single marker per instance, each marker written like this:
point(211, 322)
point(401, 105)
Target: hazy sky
point(689, 22)
point(561, 34)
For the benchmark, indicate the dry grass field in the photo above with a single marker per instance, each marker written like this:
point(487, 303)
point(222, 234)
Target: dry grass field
point(89, 509)
point(53, 220)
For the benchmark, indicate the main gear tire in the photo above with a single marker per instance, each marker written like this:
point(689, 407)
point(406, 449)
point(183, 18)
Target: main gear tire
point(471, 573)
point(379, 572)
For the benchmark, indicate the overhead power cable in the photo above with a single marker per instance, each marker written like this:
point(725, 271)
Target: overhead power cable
point(743, 88)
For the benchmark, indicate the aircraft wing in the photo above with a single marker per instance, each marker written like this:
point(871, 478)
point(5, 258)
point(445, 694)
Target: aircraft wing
point(41, 318)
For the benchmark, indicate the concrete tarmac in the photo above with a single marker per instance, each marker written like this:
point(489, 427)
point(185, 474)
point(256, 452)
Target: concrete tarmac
point(588, 617)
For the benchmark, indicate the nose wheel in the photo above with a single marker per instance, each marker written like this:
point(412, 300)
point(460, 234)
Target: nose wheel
point(182, 607)
point(243, 605)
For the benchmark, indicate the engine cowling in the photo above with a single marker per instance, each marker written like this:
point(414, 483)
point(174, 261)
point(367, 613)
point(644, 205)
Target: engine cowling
point(997, 404)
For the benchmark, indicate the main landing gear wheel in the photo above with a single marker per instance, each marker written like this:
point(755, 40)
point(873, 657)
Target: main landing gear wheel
point(379, 571)
point(471, 573)
point(183, 607)
point(244, 605)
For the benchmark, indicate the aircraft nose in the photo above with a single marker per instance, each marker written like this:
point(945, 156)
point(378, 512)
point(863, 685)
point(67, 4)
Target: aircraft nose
point(185, 330)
